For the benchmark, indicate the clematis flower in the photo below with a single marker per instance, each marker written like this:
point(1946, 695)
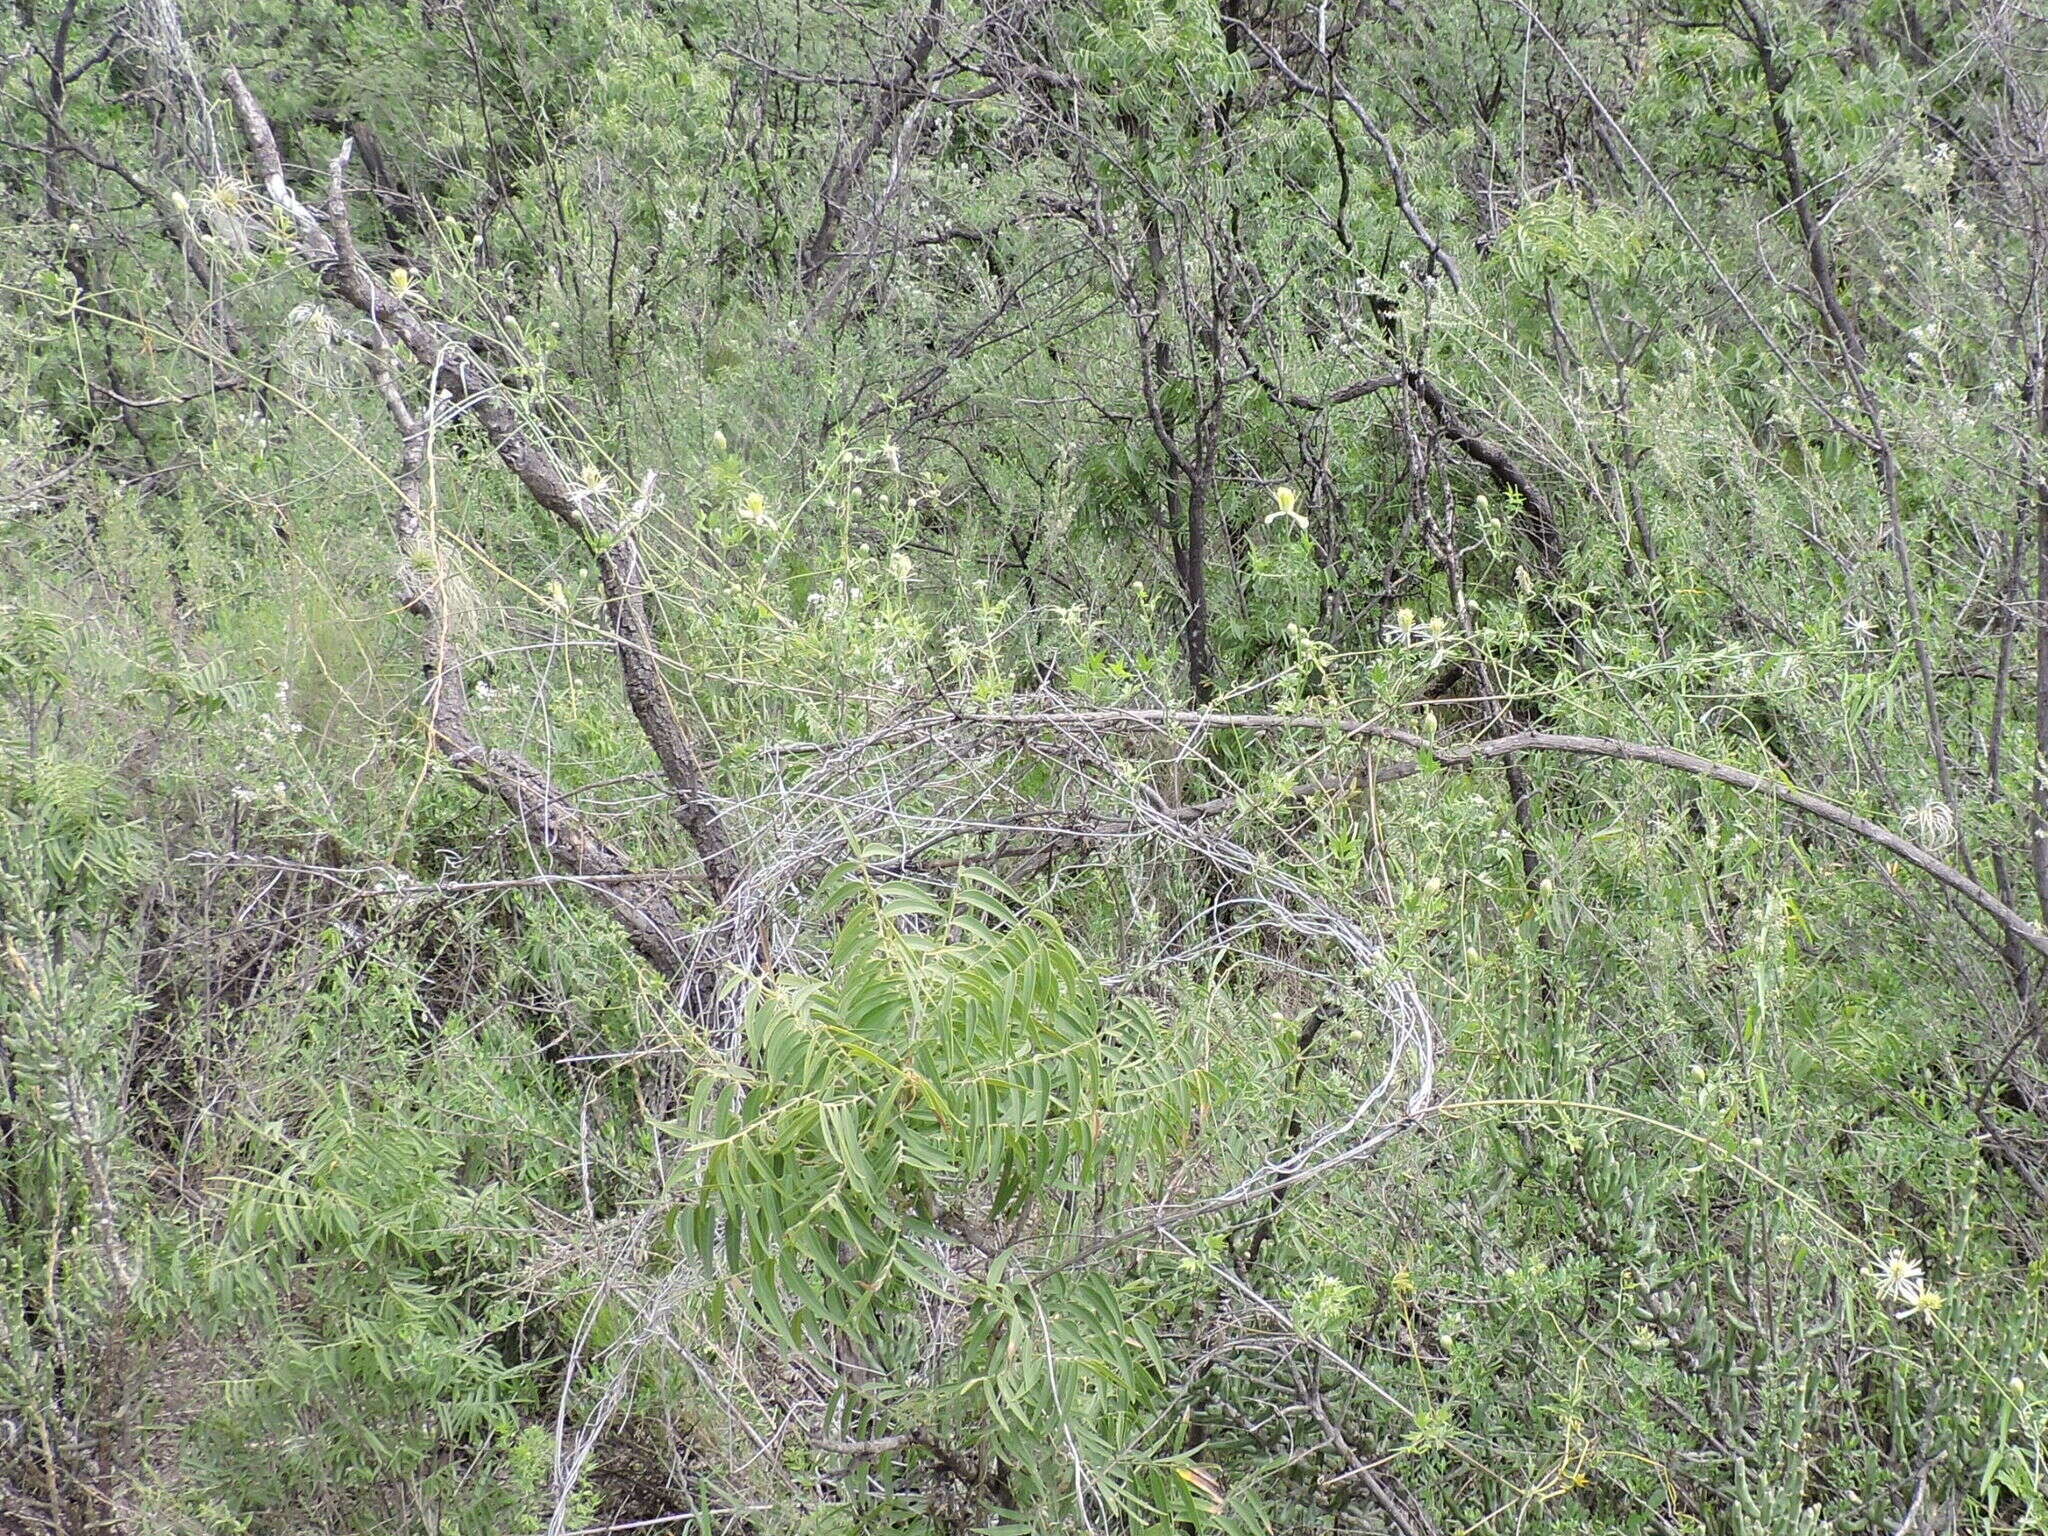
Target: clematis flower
point(1285, 499)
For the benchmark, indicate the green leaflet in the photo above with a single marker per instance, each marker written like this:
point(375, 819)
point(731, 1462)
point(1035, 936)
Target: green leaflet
point(944, 1087)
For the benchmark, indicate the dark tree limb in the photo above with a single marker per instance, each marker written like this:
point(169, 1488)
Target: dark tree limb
point(1539, 520)
point(893, 98)
point(546, 815)
point(475, 389)
point(1848, 338)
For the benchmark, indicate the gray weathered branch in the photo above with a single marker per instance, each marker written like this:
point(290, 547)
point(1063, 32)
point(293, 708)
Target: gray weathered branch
point(474, 389)
point(1818, 807)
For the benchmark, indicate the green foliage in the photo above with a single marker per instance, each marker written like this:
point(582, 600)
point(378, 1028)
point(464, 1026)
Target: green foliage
point(394, 1256)
point(357, 1175)
point(951, 1107)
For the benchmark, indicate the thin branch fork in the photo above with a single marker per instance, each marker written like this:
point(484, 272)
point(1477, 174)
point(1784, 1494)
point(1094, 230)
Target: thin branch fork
point(475, 388)
point(652, 925)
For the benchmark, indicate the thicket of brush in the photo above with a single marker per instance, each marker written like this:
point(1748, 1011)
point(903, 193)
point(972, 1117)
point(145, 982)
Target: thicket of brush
point(1116, 767)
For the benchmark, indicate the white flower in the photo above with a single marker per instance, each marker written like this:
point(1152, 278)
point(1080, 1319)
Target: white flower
point(1406, 631)
point(901, 567)
point(1860, 628)
point(1898, 1278)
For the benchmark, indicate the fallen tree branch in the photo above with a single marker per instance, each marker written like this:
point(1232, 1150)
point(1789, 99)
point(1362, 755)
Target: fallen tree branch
point(955, 1462)
point(551, 822)
point(1817, 807)
point(546, 815)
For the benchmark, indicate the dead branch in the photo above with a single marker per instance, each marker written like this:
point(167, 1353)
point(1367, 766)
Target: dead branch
point(1460, 755)
point(473, 388)
point(893, 98)
point(551, 823)
point(544, 813)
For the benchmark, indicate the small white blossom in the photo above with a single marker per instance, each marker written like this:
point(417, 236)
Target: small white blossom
point(1409, 633)
point(1897, 1277)
point(1926, 1304)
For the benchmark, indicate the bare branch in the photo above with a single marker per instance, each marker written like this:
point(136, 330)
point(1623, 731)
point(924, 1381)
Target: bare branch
point(550, 821)
point(1803, 801)
point(474, 388)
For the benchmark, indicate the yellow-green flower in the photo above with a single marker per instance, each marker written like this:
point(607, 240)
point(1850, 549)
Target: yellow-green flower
point(1284, 498)
point(1926, 1303)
